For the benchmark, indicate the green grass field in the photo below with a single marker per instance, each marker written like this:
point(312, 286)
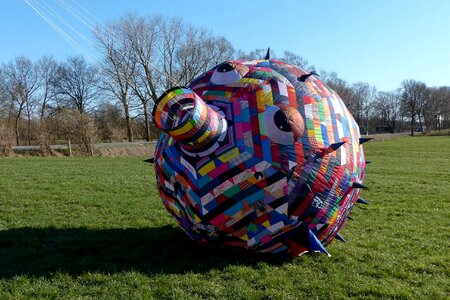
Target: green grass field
point(94, 228)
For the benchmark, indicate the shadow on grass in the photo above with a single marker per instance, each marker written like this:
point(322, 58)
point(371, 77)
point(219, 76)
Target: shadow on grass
point(164, 250)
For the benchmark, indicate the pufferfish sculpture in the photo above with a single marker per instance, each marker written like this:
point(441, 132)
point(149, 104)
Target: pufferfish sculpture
point(260, 155)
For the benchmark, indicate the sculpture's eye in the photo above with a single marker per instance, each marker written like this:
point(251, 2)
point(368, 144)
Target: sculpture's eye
point(223, 68)
point(277, 126)
point(228, 72)
point(282, 124)
point(281, 121)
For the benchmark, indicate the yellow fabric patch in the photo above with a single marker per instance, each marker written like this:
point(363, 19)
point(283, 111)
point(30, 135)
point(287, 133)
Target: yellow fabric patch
point(204, 136)
point(250, 80)
point(229, 155)
point(261, 105)
point(188, 126)
point(207, 168)
point(268, 98)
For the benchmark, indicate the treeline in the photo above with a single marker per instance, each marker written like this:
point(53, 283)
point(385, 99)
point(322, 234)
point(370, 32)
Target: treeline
point(413, 106)
point(46, 101)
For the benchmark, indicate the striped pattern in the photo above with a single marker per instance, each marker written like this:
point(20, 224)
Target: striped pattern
point(188, 119)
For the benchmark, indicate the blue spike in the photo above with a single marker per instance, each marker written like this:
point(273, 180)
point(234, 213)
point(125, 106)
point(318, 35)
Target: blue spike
point(368, 161)
point(340, 238)
point(362, 201)
point(357, 185)
point(267, 54)
point(350, 218)
point(150, 160)
point(363, 140)
point(315, 245)
point(336, 146)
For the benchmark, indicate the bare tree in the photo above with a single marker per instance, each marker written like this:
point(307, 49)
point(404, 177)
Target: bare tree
point(436, 108)
point(339, 85)
point(78, 128)
point(22, 84)
point(413, 95)
point(110, 122)
point(47, 68)
point(77, 90)
point(4, 99)
point(444, 107)
point(143, 37)
point(386, 110)
point(294, 59)
point(128, 48)
point(221, 50)
point(197, 51)
point(6, 123)
point(77, 84)
point(259, 53)
point(118, 67)
point(359, 103)
point(46, 98)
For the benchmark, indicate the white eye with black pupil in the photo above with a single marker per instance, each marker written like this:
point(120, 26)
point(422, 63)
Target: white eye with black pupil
point(225, 68)
point(281, 121)
point(228, 72)
point(277, 126)
point(225, 74)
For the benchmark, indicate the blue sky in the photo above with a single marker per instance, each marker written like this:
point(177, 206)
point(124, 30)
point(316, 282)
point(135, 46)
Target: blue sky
point(380, 42)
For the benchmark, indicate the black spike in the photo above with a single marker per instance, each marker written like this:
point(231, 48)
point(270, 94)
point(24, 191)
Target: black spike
point(306, 76)
point(336, 146)
point(368, 161)
point(357, 185)
point(150, 160)
point(362, 201)
point(340, 238)
point(363, 140)
point(350, 218)
point(267, 54)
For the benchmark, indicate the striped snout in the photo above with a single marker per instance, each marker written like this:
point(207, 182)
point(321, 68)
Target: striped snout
point(184, 116)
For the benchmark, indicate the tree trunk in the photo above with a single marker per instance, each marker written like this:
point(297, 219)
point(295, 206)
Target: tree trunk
point(128, 122)
point(147, 125)
point(29, 130)
point(394, 125)
point(420, 124)
point(412, 125)
point(16, 127)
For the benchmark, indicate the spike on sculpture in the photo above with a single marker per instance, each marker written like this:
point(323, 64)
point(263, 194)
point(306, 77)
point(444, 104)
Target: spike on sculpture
point(267, 54)
point(364, 140)
point(340, 238)
point(357, 185)
point(361, 201)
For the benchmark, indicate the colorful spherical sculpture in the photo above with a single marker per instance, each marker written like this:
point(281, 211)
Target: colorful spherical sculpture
point(258, 154)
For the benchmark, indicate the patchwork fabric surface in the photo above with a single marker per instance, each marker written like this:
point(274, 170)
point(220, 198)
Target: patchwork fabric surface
point(258, 154)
